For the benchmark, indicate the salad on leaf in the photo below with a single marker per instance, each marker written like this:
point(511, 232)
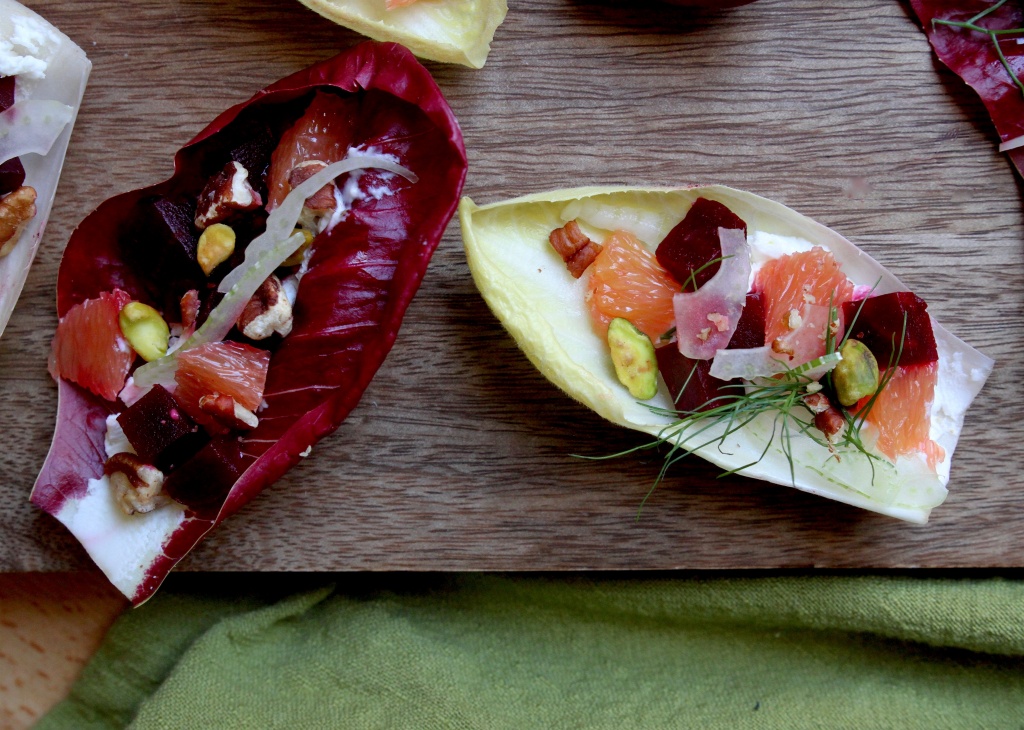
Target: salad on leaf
point(213, 327)
point(731, 327)
point(42, 80)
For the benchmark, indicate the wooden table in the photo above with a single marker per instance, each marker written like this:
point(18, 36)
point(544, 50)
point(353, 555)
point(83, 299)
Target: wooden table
point(458, 456)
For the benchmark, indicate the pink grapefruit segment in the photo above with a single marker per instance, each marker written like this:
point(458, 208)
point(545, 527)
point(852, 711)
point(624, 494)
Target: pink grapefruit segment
point(902, 413)
point(223, 368)
point(795, 286)
point(324, 133)
point(89, 348)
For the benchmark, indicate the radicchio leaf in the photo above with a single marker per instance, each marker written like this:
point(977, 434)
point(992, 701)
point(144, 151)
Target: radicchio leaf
point(972, 55)
point(361, 277)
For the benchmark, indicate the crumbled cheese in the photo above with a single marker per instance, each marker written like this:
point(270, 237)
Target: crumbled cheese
point(114, 440)
point(27, 46)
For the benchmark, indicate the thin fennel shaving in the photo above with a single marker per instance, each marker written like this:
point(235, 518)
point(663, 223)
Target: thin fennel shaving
point(265, 253)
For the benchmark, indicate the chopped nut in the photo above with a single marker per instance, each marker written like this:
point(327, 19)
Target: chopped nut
point(138, 486)
point(322, 201)
point(189, 309)
point(827, 417)
point(794, 320)
point(576, 249)
point(227, 412)
point(216, 244)
point(704, 334)
point(225, 195)
point(268, 311)
point(782, 348)
point(145, 330)
point(16, 210)
point(720, 321)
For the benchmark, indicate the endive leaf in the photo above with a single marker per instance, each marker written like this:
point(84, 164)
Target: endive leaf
point(452, 31)
point(528, 288)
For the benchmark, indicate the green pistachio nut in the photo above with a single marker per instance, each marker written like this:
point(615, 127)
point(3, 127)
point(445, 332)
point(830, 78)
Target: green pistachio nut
point(856, 375)
point(636, 365)
point(145, 330)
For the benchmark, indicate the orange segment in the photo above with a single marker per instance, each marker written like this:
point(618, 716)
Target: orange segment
point(790, 282)
point(627, 281)
point(323, 133)
point(902, 413)
point(89, 348)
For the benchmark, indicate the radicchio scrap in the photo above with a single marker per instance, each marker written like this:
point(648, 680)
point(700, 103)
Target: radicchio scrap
point(361, 277)
point(973, 56)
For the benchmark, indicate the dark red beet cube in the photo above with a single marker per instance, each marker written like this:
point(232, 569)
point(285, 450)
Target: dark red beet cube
point(695, 392)
point(689, 381)
point(751, 327)
point(879, 325)
point(6, 92)
point(694, 242)
point(12, 176)
point(202, 483)
point(161, 432)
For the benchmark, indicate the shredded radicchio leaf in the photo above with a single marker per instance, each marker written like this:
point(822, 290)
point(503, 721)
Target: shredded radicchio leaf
point(374, 260)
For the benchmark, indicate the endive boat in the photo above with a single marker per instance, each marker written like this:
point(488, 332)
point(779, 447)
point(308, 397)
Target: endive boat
point(763, 417)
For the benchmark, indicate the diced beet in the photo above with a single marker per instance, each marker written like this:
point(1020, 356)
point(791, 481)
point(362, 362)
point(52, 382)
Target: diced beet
point(694, 241)
point(160, 243)
point(203, 482)
point(751, 327)
point(880, 325)
point(12, 176)
point(161, 432)
point(6, 92)
point(675, 367)
point(690, 392)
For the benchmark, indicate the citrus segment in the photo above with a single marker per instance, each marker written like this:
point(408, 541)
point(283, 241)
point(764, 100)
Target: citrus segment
point(627, 281)
point(224, 368)
point(89, 348)
point(794, 283)
point(324, 133)
point(901, 413)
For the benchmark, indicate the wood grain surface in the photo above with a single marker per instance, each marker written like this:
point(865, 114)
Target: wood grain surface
point(458, 457)
point(50, 625)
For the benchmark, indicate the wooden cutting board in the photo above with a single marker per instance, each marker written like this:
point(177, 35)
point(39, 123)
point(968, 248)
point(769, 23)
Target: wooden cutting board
point(458, 457)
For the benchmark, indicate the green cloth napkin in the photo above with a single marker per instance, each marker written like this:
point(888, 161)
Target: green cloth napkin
point(485, 651)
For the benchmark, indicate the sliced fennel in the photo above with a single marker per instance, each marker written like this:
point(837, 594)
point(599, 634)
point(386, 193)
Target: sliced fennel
point(32, 126)
point(265, 253)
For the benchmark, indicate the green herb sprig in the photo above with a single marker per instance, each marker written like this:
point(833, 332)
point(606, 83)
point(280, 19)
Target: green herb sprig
point(782, 395)
point(993, 35)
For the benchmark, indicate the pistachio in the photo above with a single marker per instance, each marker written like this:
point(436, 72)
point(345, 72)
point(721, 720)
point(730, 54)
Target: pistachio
point(856, 375)
point(296, 258)
point(636, 365)
point(216, 244)
point(145, 330)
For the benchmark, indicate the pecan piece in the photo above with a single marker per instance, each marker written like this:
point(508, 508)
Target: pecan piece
point(16, 210)
point(827, 417)
point(226, 194)
point(576, 249)
point(228, 413)
point(322, 201)
point(138, 486)
point(268, 311)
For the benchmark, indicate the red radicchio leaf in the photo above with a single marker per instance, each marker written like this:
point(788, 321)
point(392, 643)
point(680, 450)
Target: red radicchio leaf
point(973, 56)
point(362, 276)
